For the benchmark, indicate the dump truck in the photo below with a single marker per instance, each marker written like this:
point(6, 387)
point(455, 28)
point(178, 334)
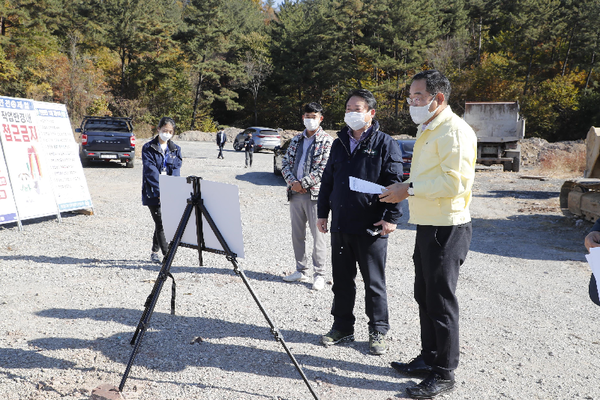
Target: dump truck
point(499, 128)
point(581, 196)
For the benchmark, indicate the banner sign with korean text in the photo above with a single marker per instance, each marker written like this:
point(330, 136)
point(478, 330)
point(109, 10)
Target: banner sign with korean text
point(54, 131)
point(8, 209)
point(42, 158)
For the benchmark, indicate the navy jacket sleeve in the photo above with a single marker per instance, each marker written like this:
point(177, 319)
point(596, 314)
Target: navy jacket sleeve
point(391, 172)
point(151, 171)
point(323, 207)
point(596, 227)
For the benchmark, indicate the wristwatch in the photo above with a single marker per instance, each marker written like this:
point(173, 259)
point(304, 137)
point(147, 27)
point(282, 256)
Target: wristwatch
point(411, 191)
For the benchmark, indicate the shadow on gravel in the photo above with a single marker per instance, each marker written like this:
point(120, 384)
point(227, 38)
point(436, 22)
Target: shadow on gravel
point(19, 358)
point(547, 237)
point(519, 194)
point(128, 264)
point(261, 178)
point(171, 344)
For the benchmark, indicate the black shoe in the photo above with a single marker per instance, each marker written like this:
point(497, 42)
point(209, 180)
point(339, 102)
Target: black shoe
point(416, 366)
point(430, 387)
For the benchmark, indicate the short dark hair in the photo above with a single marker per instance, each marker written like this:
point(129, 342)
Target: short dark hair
point(313, 108)
point(435, 82)
point(166, 120)
point(366, 95)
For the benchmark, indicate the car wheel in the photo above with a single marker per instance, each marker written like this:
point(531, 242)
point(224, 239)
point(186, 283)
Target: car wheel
point(237, 146)
point(130, 163)
point(85, 162)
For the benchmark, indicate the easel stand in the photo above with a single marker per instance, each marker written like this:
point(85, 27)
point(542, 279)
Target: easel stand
point(195, 203)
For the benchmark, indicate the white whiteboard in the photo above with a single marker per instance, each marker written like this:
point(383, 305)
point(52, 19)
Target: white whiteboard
point(221, 200)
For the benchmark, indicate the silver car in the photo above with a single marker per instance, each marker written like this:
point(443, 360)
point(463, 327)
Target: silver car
point(264, 138)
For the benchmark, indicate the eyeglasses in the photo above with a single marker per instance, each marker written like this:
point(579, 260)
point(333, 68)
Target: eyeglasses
point(418, 101)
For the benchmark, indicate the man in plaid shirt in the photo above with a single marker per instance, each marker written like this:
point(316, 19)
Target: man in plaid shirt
point(302, 167)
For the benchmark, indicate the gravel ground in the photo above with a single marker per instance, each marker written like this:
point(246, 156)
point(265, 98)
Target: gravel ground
point(73, 292)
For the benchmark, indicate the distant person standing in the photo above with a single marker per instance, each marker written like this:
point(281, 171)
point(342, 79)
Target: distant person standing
point(302, 167)
point(221, 140)
point(160, 156)
point(249, 148)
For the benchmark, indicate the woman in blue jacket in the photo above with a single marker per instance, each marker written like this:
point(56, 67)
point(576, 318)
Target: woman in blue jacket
point(160, 156)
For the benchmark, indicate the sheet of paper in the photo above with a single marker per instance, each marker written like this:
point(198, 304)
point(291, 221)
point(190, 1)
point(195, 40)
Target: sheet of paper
point(362, 186)
point(594, 260)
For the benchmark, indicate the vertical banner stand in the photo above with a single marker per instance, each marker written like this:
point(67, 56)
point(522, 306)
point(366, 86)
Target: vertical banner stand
point(195, 203)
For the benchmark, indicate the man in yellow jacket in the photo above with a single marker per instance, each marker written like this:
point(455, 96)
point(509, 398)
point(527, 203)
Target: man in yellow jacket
point(439, 194)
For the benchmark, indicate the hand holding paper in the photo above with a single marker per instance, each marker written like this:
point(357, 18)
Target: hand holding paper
point(362, 186)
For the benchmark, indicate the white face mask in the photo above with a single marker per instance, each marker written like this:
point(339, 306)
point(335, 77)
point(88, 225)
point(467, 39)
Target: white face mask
point(311, 124)
point(164, 136)
point(355, 120)
point(422, 114)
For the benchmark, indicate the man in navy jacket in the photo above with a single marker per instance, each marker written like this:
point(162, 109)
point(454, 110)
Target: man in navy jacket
point(362, 151)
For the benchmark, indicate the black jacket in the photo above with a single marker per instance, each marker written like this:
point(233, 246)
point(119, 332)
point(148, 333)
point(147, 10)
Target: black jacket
point(376, 159)
point(249, 145)
point(153, 162)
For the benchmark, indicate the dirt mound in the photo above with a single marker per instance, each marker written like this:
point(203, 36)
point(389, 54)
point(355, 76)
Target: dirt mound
point(535, 150)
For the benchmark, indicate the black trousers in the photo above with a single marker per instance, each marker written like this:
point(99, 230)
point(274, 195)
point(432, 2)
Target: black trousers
point(220, 151)
point(370, 253)
point(158, 240)
point(439, 253)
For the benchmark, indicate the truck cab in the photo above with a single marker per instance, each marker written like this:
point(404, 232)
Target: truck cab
point(106, 139)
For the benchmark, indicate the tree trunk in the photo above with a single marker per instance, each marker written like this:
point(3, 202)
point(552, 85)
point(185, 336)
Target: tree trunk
point(587, 81)
point(2, 26)
point(564, 68)
point(122, 71)
point(479, 41)
point(529, 68)
point(196, 100)
point(397, 95)
point(256, 109)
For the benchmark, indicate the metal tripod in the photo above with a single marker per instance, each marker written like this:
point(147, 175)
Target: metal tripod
point(195, 203)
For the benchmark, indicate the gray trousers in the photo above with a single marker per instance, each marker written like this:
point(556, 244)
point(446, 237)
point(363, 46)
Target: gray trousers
point(303, 210)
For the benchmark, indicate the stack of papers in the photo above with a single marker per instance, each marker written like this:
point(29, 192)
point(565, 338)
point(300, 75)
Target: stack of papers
point(594, 260)
point(362, 186)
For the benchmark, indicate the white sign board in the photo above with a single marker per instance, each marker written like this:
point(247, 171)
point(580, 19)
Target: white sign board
point(54, 130)
point(42, 159)
point(221, 200)
point(8, 209)
point(28, 168)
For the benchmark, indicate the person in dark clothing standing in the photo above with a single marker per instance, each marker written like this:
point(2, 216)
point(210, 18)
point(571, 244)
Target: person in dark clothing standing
point(221, 139)
point(249, 148)
point(362, 151)
point(160, 156)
